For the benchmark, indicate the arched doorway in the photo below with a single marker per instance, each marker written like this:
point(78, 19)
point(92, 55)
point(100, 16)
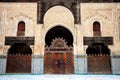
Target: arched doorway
point(98, 58)
point(19, 58)
point(58, 57)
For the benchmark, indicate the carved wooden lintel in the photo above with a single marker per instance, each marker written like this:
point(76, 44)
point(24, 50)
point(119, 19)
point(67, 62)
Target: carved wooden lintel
point(12, 40)
point(105, 40)
point(58, 46)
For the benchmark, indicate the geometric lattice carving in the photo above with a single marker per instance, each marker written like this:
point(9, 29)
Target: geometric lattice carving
point(48, 63)
point(69, 63)
point(58, 45)
point(58, 58)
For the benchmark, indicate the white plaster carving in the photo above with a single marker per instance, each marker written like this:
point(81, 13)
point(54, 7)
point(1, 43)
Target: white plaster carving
point(97, 15)
point(20, 16)
point(5, 50)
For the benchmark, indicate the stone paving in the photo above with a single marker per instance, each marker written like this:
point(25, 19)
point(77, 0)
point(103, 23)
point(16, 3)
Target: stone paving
point(59, 77)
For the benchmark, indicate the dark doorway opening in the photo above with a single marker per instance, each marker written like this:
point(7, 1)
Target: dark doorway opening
point(60, 32)
point(19, 58)
point(20, 48)
point(98, 58)
point(58, 57)
point(98, 48)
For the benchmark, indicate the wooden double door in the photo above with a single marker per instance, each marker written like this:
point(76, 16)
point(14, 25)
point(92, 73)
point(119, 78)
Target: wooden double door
point(99, 64)
point(58, 63)
point(99, 59)
point(18, 64)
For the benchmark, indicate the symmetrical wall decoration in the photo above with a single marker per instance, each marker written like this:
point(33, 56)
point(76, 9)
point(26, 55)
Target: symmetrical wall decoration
point(97, 15)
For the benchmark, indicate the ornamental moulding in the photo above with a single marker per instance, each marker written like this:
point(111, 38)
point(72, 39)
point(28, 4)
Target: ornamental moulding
point(19, 16)
point(97, 16)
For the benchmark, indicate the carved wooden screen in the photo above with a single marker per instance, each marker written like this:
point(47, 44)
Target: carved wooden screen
point(58, 58)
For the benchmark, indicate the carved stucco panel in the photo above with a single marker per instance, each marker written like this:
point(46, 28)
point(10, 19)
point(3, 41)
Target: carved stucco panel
point(97, 16)
point(5, 50)
point(13, 20)
point(19, 16)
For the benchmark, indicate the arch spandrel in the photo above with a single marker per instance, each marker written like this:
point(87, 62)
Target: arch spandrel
point(58, 15)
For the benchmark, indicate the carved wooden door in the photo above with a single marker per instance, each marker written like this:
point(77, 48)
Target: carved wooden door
point(48, 60)
point(18, 64)
point(59, 63)
point(99, 64)
point(59, 58)
point(69, 63)
point(98, 58)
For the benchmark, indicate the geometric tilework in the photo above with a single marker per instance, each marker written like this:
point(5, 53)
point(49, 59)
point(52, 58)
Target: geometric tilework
point(2, 65)
point(37, 66)
point(115, 61)
point(80, 65)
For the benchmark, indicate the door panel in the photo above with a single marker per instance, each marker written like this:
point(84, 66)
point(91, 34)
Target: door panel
point(59, 58)
point(69, 67)
point(48, 60)
point(99, 59)
point(59, 63)
point(99, 64)
point(18, 64)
